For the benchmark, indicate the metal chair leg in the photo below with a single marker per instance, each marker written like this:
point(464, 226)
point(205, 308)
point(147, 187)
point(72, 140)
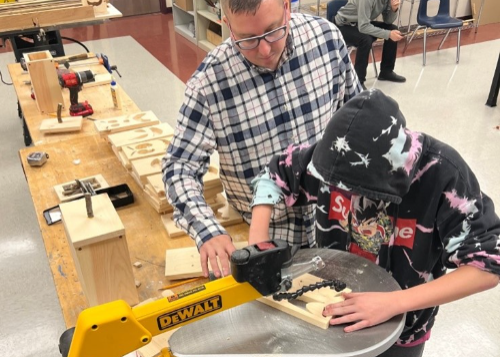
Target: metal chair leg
point(374, 63)
point(425, 43)
point(411, 38)
point(458, 45)
point(444, 38)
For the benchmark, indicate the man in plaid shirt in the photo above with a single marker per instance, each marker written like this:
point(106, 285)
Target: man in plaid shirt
point(277, 80)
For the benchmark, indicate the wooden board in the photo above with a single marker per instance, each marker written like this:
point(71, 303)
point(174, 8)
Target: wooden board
point(226, 215)
point(45, 18)
point(69, 124)
point(142, 168)
point(97, 182)
point(141, 135)
point(185, 262)
point(144, 149)
point(126, 122)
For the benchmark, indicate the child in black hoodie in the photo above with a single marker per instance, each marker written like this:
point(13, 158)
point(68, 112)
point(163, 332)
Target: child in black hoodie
point(400, 198)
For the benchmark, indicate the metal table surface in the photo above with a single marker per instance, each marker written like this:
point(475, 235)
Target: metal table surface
point(254, 329)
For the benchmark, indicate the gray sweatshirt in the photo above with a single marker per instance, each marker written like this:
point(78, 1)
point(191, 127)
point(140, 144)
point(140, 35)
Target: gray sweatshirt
point(364, 11)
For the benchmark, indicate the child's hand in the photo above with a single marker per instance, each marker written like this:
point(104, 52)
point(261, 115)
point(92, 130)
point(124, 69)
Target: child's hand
point(362, 310)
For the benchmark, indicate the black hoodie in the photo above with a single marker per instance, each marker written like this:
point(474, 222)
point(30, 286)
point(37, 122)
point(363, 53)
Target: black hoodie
point(400, 198)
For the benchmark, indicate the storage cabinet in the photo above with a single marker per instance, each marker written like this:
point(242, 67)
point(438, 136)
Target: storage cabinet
point(209, 30)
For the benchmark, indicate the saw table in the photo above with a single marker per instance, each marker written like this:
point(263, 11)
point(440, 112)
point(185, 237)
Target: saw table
point(255, 329)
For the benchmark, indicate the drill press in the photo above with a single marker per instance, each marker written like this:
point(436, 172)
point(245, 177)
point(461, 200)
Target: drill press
point(74, 82)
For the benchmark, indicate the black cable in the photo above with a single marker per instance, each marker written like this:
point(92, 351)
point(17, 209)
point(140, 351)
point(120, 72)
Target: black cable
point(1, 78)
point(72, 39)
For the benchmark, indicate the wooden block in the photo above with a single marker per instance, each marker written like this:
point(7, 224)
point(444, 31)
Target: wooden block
point(140, 135)
point(99, 250)
point(295, 311)
point(145, 149)
point(100, 6)
point(228, 216)
point(183, 263)
point(44, 80)
point(69, 124)
point(146, 167)
point(96, 181)
point(45, 18)
point(157, 186)
point(172, 230)
point(126, 122)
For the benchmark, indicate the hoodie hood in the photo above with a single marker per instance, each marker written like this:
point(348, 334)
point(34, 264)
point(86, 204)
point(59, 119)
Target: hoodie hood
point(367, 149)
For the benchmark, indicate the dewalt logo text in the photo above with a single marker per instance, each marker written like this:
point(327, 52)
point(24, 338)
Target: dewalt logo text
point(189, 312)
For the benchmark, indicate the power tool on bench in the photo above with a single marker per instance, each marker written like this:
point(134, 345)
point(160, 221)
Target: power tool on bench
point(115, 329)
point(74, 82)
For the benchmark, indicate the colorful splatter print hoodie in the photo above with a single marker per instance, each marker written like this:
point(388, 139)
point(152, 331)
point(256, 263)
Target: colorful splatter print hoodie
point(400, 198)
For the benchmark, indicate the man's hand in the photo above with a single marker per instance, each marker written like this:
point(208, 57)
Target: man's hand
point(396, 35)
point(217, 247)
point(362, 310)
point(394, 5)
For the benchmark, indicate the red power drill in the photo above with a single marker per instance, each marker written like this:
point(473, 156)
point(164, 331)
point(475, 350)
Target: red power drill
point(74, 82)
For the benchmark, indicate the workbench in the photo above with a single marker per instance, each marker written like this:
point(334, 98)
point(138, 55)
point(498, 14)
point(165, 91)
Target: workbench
point(146, 236)
point(98, 96)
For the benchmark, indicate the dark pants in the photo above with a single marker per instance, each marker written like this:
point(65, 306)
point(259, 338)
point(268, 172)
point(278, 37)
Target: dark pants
point(363, 44)
point(396, 351)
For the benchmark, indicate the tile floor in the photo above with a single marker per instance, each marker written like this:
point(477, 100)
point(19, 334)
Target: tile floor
point(442, 99)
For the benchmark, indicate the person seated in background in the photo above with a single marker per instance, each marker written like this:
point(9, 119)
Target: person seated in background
point(356, 22)
point(400, 198)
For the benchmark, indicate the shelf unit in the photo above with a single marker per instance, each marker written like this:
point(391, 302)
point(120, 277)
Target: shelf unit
point(202, 17)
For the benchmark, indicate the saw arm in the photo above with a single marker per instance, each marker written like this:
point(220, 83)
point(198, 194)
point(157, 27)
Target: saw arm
point(115, 329)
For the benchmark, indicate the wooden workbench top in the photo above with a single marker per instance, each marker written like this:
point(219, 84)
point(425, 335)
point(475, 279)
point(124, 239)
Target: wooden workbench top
point(99, 97)
point(146, 236)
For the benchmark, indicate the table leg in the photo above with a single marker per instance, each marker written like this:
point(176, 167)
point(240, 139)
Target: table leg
point(495, 87)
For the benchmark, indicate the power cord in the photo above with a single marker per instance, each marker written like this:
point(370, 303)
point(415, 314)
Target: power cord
point(1, 78)
point(76, 41)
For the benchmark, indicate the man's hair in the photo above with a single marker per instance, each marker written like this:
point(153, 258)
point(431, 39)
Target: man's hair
point(241, 6)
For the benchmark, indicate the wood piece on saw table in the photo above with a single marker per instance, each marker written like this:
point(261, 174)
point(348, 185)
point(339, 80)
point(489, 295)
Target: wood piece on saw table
point(140, 135)
point(295, 311)
point(70, 190)
point(183, 263)
point(126, 122)
point(44, 80)
point(99, 249)
point(69, 124)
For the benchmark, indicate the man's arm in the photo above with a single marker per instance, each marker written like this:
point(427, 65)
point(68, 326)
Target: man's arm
point(183, 167)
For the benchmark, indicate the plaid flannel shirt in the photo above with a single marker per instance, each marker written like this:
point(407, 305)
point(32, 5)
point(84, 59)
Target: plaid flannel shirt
point(248, 115)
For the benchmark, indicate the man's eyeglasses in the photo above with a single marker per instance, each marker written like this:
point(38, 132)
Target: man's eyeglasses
point(253, 42)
